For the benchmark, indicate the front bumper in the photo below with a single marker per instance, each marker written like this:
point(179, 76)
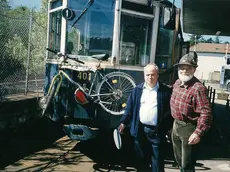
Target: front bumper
point(80, 132)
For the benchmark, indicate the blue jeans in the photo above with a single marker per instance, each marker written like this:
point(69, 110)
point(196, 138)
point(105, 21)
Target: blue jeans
point(148, 146)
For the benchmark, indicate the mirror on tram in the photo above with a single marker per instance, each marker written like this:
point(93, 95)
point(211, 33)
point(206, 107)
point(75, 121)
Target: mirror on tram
point(169, 18)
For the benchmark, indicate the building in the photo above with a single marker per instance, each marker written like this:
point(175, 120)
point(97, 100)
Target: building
point(211, 57)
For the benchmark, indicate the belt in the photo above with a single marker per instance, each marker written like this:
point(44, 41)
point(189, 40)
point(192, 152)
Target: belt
point(186, 121)
point(150, 126)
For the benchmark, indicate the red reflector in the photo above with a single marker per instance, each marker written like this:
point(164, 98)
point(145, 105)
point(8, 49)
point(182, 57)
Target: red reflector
point(80, 97)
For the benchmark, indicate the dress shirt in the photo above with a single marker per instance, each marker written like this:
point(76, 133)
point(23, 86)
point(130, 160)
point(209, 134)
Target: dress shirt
point(190, 103)
point(148, 106)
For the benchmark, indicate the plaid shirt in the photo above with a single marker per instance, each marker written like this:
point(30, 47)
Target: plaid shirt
point(190, 103)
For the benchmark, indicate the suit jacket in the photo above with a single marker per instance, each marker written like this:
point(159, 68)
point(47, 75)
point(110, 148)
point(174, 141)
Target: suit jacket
point(131, 116)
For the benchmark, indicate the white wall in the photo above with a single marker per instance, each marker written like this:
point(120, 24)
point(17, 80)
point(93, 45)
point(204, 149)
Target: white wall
point(207, 64)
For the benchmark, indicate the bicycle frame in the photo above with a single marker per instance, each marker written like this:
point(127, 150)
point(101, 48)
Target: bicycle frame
point(60, 73)
point(96, 73)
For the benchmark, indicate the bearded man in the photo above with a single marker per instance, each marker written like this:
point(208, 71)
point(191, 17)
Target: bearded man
point(191, 111)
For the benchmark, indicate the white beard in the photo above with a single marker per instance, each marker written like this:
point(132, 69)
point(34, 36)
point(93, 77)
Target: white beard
point(184, 78)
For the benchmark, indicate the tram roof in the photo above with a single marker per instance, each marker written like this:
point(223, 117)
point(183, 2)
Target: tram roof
point(206, 17)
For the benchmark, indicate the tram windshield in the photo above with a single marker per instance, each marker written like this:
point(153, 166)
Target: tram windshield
point(93, 33)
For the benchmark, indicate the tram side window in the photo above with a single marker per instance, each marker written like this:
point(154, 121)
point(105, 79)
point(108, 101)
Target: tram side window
point(55, 32)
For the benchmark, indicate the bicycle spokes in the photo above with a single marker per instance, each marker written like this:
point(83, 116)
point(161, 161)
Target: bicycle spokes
point(113, 92)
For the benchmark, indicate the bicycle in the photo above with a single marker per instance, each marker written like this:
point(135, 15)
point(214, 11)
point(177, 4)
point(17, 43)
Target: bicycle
point(111, 93)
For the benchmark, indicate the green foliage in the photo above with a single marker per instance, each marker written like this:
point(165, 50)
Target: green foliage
point(195, 38)
point(44, 6)
point(74, 37)
point(16, 49)
point(13, 66)
point(39, 36)
point(217, 40)
point(19, 12)
point(200, 39)
point(210, 40)
point(4, 6)
point(14, 38)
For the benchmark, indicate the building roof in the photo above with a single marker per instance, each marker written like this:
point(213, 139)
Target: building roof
point(210, 48)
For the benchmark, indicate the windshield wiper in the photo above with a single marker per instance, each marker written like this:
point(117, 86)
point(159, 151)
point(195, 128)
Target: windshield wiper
point(87, 6)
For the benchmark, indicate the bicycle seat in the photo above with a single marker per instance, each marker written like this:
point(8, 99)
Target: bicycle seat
point(102, 57)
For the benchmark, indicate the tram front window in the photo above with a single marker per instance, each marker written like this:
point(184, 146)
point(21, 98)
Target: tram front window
point(135, 40)
point(93, 33)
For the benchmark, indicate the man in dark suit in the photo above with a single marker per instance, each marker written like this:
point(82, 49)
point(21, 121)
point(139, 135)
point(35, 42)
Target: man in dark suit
point(148, 115)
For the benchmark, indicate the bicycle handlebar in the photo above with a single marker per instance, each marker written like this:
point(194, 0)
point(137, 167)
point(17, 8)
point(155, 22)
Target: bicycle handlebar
point(75, 58)
point(66, 55)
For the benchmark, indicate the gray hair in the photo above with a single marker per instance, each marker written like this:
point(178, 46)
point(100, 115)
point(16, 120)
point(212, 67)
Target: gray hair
point(153, 65)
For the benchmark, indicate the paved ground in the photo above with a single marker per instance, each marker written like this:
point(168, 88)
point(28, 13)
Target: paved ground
point(38, 151)
point(59, 158)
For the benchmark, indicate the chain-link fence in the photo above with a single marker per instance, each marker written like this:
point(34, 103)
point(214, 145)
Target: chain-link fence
point(22, 56)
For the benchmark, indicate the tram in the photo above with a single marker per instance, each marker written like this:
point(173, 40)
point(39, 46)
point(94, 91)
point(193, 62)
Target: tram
point(133, 32)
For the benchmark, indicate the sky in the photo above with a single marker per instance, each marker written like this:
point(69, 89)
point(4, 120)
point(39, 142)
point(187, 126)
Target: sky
point(29, 3)
point(37, 4)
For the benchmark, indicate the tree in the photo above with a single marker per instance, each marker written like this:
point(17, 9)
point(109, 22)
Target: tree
point(39, 36)
point(19, 12)
point(9, 64)
point(195, 39)
point(217, 40)
point(210, 40)
point(4, 6)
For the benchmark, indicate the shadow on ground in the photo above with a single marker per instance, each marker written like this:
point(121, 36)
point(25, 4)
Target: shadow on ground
point(31, 137)
point(215, 145)
point(107, 157)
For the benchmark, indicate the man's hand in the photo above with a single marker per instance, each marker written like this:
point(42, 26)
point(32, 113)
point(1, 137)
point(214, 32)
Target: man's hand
point(121, 128)
point(193, 139)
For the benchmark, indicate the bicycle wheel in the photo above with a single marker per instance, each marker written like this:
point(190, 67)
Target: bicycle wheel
point(113, 92)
